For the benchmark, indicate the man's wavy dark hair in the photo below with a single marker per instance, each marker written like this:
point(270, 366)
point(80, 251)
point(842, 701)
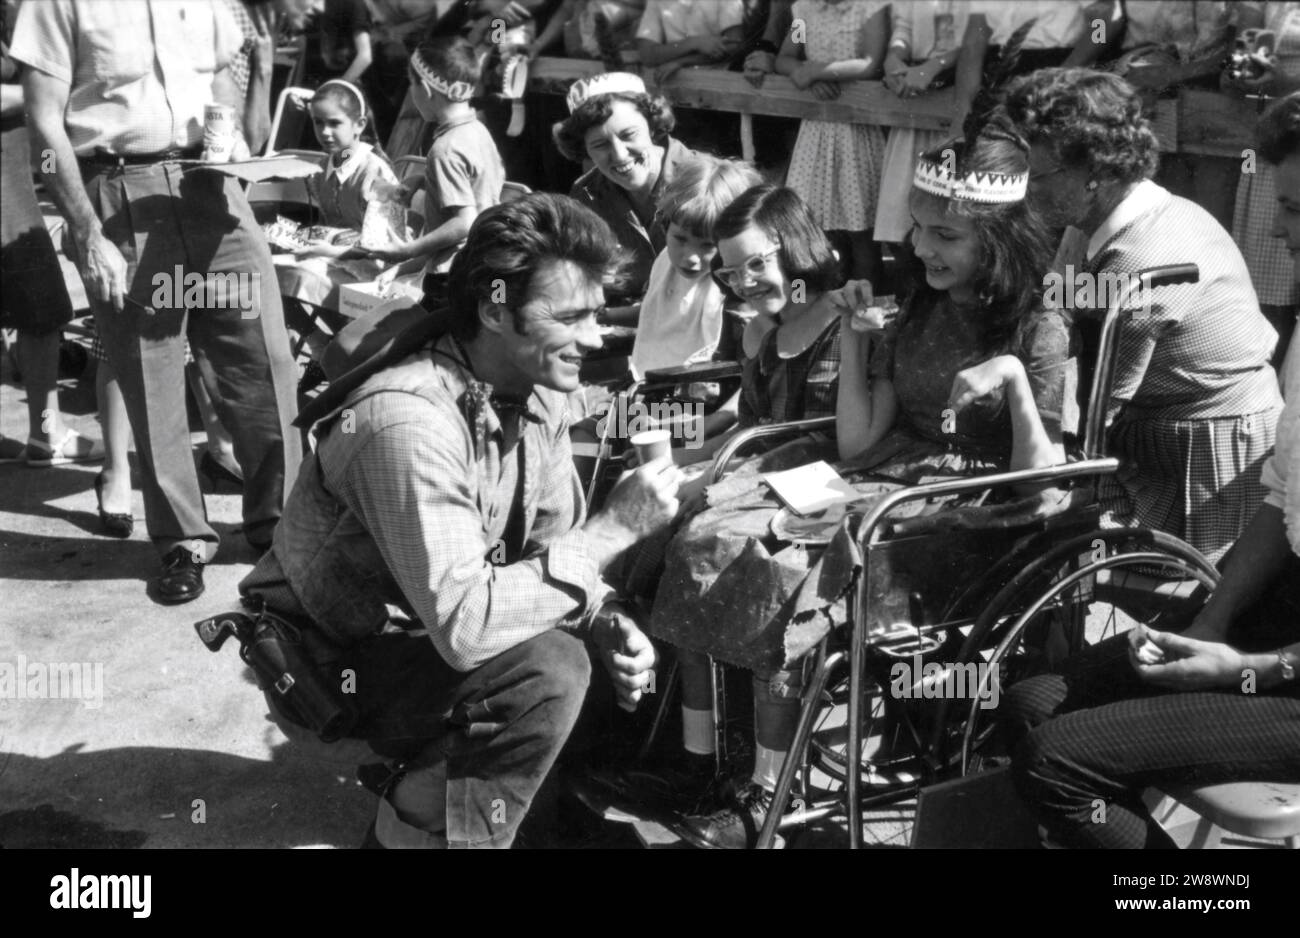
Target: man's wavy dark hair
point(1014, 244)
point(509, 243)
point(571, 133)
point(1091, 120)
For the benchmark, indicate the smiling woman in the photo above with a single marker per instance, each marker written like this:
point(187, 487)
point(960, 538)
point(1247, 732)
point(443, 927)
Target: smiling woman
point(1195, 401)
point(624, 133)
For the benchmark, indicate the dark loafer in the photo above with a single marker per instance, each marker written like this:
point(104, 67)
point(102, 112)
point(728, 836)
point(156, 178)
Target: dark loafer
point(182, 578)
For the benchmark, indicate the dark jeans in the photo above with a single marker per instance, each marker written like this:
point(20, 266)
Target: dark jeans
point(499, 727)
point(1094, 736)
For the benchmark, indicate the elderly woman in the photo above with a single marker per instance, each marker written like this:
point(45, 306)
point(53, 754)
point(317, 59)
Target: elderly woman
point(1167, 710)
point(624, 132)
point(1195, 401)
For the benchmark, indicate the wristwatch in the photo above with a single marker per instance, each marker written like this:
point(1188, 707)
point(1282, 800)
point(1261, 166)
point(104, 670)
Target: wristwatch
point(1288, 669)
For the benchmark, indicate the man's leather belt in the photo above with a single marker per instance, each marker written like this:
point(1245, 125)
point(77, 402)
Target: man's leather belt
point(104, 158)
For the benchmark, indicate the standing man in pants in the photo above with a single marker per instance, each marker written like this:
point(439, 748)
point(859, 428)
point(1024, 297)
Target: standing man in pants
point(116, 91)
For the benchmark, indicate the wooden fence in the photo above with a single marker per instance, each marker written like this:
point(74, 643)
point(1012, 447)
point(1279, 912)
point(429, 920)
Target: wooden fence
point(1197, 122)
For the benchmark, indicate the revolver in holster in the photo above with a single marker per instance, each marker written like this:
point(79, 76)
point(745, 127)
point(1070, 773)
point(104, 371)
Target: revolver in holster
point(299, 687)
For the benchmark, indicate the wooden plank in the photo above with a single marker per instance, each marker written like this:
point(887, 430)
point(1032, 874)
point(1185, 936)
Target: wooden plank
point(1215, 124)
point(1200, 122)
point(867, 102)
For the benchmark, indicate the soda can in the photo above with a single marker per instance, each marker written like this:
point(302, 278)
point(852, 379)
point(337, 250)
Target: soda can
point(218, 132)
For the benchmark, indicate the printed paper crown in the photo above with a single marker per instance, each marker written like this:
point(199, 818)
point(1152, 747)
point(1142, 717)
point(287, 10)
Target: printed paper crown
point(937, 179)
point(606, 83)
point(454, 90)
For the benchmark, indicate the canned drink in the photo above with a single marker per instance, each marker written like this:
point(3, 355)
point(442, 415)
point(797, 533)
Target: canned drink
point(218, 132)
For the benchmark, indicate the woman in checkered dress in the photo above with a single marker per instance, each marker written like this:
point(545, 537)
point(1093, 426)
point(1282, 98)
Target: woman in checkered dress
point(1195, 402)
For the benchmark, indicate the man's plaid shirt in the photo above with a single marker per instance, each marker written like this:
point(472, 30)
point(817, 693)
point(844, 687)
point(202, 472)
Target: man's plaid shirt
point(411, 499)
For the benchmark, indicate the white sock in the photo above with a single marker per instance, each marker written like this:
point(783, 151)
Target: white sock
point(699, 732)
point(767, 765)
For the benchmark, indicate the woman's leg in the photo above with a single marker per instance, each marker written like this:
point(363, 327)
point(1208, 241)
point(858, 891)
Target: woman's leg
point(117, 440)
point(776, 717)
point(38, 357)
point(1084, 772)
point(699, 728)
point(220, 445)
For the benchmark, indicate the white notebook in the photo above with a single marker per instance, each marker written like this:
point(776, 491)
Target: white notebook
point(810, 489)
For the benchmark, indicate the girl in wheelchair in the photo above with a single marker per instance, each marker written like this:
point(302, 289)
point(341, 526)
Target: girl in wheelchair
point(974, 376)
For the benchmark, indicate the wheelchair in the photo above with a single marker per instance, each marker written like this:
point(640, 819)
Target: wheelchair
point(958, 601)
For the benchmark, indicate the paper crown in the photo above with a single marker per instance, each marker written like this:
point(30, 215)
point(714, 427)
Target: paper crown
point(994, 188)
point(585, 89)
point(453, 90)
point(514, 77)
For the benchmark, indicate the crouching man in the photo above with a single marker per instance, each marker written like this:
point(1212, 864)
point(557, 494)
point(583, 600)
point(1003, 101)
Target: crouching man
point(443, 484)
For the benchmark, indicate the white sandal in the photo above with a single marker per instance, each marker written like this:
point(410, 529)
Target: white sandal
point(70, 449)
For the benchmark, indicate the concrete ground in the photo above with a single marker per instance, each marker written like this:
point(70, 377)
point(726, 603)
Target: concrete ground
point(179, 751)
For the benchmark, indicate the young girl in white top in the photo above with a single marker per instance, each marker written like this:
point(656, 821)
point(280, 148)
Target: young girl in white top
point(354, 194)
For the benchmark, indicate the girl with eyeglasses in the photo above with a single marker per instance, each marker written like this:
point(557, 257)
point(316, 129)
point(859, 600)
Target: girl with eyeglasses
point(775, 259)
point(772, 256)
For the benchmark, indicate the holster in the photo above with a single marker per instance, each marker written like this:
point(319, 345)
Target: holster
point(301, 688)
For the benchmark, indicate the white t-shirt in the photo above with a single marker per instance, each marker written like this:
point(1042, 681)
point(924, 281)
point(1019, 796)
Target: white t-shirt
point(681, 319)
point(667, 21)
point(1058, 23)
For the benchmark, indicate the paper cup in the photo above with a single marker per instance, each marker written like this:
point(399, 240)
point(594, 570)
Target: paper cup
point(652, 445)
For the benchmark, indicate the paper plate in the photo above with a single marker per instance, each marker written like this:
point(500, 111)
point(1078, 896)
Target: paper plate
point(809, 530)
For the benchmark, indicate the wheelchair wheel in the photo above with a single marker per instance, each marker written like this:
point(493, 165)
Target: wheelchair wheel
point(1087, 589)
point(895, 761)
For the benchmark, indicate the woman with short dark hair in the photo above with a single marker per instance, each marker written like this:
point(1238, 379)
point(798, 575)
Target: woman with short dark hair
point(625, 133)
point(1195, 401)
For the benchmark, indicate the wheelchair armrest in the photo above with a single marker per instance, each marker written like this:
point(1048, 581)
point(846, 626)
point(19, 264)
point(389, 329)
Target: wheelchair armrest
point(685, 374)
point(888, 503)
point(762, 432)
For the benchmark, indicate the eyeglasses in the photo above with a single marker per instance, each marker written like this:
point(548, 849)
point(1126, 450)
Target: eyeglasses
point(752, 268)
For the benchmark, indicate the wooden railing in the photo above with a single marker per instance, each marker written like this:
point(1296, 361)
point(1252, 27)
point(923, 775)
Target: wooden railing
point(1200, 122)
